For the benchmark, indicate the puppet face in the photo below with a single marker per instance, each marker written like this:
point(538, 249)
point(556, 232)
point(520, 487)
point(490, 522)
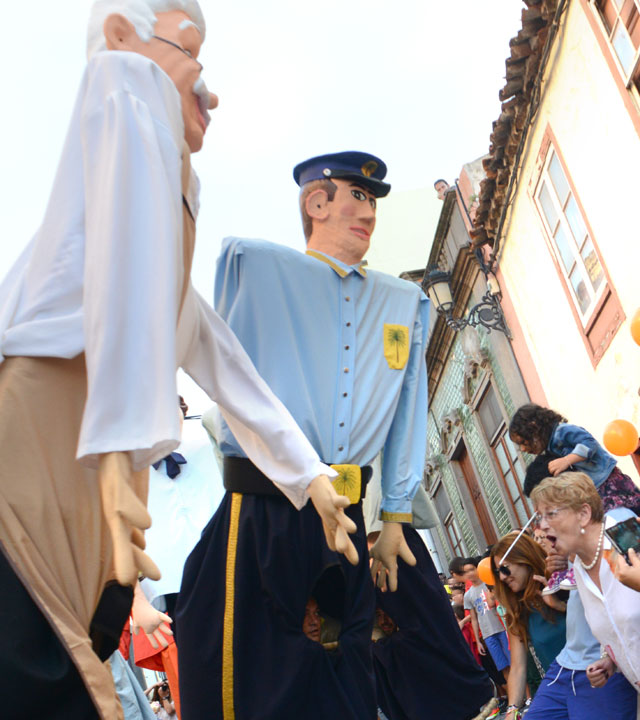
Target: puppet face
point(174, 48)
point(351, 217)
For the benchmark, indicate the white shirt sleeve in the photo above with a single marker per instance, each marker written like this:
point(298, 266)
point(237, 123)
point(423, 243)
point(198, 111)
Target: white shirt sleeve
point(260, 422)
point(132, 267)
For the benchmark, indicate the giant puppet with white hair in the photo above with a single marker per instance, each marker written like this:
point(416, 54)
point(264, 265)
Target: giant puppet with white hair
point(95, 317)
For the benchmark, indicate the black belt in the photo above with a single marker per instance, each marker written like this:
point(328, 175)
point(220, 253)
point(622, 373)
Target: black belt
point(240, 475)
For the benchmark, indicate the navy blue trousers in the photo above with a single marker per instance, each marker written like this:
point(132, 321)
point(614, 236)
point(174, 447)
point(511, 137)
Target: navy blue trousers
point(272, 671)
point(426, 669)
point(567, 695)
point(37, 676)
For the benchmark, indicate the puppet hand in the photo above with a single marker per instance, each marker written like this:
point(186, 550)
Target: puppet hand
point(151, 621)
point(388, 546)
point(126, 517)
point(629, 575)
point(330, 506)
point(600, 671)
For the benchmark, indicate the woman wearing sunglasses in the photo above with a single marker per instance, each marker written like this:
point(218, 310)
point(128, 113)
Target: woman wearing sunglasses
point(518, 564)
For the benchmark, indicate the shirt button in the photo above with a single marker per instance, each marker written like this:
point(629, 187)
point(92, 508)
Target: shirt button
point(348, 324)
point(341, 424)
point(346, 370)
point(344, 394)
point(346, 347)
point(347, 298)
point(341, 448)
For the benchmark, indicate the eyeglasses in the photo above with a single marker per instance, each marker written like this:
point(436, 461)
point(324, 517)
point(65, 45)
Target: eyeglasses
point(504, 570)
point(549, 515)
point(179, 47)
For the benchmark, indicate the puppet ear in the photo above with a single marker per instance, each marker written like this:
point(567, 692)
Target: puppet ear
point(317, 204)
point(119, 33)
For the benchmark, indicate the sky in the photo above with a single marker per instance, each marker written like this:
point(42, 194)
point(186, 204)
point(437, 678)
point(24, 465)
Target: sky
point(413, 81)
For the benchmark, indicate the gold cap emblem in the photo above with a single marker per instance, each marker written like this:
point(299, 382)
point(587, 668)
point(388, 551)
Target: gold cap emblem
point(369, 168)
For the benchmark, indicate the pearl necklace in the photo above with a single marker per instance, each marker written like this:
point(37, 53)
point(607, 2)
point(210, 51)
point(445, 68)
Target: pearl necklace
point(595, 559)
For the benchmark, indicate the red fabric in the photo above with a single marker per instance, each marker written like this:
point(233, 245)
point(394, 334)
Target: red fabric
point(161, 660)
point(467, 632)
point(170, 660)
point(146, 656)
point(125, 642)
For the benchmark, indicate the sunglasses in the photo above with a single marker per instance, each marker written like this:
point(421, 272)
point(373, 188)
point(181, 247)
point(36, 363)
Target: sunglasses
point(503, 569)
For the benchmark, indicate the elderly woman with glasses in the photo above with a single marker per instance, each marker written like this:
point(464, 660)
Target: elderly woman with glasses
point(518, 565)
point(572, 516)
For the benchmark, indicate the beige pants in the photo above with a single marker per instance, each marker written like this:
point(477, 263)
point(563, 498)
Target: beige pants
point(51, 522)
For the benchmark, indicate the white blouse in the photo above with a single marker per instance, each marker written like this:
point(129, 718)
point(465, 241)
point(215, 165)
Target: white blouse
point(613, 613)
point(103, 276)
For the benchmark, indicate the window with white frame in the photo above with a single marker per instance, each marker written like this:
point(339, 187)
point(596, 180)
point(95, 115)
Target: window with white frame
point(572, 243)
point(621, 20)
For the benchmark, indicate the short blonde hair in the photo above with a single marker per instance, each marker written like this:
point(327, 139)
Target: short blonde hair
point(569, 489)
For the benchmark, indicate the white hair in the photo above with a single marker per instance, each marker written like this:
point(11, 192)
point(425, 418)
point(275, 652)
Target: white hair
point(142, 15)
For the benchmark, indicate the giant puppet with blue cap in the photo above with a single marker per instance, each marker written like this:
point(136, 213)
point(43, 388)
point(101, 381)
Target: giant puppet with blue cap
point(96, 316)
point(343, 347)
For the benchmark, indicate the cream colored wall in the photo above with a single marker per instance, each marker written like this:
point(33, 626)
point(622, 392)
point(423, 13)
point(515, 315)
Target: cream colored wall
point(405, 225)
point(601, 150)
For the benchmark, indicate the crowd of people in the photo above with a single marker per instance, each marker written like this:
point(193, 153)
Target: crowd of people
point(561, 591)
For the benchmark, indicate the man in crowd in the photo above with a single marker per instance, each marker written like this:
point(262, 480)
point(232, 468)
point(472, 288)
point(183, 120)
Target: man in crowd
point(481, 604)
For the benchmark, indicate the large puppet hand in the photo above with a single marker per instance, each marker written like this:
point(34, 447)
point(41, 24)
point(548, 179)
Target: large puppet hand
point(330, 506)
point(388, 546)
point(126, 517)
point(151, 621)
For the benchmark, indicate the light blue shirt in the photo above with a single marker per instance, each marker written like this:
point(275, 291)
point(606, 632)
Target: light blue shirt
point(581, 648)
point(315, 329)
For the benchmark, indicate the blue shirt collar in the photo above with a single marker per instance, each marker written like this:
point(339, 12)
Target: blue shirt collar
point(338, 266)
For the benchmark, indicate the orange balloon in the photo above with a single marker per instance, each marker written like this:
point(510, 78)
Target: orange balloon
point(635, 327)
point(485, 573)
point(620, 437)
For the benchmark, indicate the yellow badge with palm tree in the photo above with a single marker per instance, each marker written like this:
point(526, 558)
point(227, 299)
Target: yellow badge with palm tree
point(348, 482)
point(396, 345)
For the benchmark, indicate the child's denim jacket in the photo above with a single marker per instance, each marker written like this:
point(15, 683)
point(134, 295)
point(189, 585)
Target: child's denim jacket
point(566, 439)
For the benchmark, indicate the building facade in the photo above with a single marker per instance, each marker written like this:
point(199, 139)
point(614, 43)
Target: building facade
point(558, 208)
point(474, 474)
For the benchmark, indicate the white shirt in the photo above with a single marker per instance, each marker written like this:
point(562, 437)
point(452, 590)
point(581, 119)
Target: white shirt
point(103, 276)
point(613, 614)
point(180, 508)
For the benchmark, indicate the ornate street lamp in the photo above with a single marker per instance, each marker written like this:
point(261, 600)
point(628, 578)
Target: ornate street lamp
point(488, 312)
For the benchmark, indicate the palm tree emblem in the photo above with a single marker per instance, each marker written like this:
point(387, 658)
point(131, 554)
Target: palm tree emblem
point(347, 482)
point(396, 345)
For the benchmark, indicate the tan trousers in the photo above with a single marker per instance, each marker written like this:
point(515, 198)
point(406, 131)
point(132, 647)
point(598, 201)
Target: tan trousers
point(51, 524)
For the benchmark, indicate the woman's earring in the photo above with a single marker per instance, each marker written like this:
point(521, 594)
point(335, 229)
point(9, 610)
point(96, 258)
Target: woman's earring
point(581, 531)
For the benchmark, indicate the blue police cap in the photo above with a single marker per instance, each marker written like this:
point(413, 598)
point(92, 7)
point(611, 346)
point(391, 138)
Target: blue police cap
point(367, 169)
